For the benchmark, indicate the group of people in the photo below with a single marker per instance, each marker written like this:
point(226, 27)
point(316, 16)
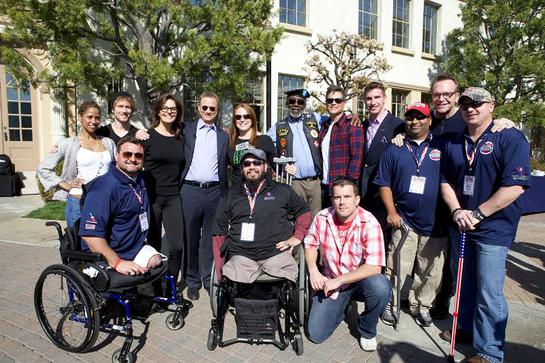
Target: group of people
point(441, 172)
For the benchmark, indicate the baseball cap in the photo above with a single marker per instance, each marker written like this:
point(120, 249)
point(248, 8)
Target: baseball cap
point(257, 153)
point(420, 107)
point(476, 94)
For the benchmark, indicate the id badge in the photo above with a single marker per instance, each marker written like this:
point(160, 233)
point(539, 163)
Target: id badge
point(247, 232)
point(144, 224)
point(418, 183)
point(469, 185)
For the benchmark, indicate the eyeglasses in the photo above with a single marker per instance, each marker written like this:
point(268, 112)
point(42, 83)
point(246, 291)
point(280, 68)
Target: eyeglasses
point(240, 117)
point(166, 109)
point(127, 155)
point(248, 163)
point(336, 100)
point(445, 95)
point(206, 108)
point(474, 105)
point(419, 117)
point(293, 101)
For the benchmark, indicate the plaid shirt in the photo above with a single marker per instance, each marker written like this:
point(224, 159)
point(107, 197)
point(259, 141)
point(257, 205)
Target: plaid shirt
point(345, 148)
point(363, 244)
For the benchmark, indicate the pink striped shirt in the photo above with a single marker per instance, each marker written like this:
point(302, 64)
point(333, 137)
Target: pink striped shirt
point(363, 244)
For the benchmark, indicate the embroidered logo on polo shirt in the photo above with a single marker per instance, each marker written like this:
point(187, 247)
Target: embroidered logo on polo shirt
point(487, 148)
point(435, 155)
point(520, 173)
point(91, 222)
point(268, 196)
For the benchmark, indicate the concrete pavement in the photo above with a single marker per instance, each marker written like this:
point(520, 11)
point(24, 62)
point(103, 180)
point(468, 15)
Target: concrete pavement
point(27, 247)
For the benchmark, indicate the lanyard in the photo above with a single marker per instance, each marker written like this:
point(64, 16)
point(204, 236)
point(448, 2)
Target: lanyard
point(251, 201)
point(422, 156)
point(471, 158)
point(138, 195)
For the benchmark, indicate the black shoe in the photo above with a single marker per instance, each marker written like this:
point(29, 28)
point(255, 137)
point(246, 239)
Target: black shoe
point(423, 318)
point(193, 293)
point(462, 336)
point(439, 312)
point(388, 317)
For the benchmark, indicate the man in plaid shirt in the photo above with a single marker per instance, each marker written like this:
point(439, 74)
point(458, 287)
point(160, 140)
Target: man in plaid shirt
point(350, 240)
point(342, 142)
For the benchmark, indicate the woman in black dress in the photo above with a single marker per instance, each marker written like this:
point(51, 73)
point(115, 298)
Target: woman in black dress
point(163, 165)
point(243, 135)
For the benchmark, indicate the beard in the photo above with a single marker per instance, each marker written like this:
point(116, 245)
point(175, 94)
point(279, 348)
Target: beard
point(296, 113)
point(253, 182)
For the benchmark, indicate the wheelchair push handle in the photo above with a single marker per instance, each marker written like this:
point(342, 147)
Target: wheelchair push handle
point(57, 226)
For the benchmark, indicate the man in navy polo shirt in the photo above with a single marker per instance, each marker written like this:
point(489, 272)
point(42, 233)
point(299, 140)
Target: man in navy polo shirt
point(483, 175)
point(408, 180)
point(115, 214)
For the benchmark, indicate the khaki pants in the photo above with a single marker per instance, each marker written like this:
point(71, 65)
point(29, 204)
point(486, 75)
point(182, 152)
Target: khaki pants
point(311, 192)
point(242, 269)
point(429, 255)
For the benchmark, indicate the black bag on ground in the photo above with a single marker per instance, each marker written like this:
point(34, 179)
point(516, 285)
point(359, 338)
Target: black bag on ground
point(6, 166)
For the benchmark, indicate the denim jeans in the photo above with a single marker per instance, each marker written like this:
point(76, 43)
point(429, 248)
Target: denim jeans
point(326, 314)
point(483, 309)
point(73, 210)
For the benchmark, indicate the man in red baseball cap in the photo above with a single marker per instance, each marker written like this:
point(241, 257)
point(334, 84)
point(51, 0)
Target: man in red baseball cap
point(408, 179)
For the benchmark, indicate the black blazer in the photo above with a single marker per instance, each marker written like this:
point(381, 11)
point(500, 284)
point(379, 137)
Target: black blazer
point(389, 127)
point(189, 130)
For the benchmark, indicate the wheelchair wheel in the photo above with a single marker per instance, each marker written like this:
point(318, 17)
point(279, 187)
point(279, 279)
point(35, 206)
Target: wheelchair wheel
point(298, 344)
point(174, 321)
point(212, 341)
point(304, 296)
point(128, 359)
point(213, 291)
point(66, 308)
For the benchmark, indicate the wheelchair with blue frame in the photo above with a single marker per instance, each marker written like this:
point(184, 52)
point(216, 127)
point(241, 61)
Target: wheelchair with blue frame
point(78, 298)
point(258, 314)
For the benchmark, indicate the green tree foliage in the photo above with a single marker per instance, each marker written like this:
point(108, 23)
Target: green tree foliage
point(346, 60)
point(160, 45)
point(501, 47)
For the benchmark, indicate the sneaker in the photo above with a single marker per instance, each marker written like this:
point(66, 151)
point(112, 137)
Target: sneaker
point(368, 345)
point(387, 317)
point(423, 318)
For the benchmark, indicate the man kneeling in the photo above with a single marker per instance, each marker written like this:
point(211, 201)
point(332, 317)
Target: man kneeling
point(115, 214)
point(351, 242)
point(254, 221)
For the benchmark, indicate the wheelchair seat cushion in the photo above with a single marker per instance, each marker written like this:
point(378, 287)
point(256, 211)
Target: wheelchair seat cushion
point(120, 281)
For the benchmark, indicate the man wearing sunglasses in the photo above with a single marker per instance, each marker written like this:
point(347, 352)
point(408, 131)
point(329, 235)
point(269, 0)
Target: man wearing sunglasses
point(204, 181)
point(115, 214)
point(254, 227)
point(483, 174)
point(298, 136)
point(408, 179)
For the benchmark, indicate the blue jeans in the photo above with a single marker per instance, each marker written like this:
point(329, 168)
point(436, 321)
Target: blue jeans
point(326, 314)
point(483, 309)
point(73, 210)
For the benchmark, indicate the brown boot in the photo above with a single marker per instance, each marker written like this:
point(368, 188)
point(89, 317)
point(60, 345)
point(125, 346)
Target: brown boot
point(477, 359)
point(462, 336)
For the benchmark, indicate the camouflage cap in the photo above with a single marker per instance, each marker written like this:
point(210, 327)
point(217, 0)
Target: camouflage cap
point(476, 94)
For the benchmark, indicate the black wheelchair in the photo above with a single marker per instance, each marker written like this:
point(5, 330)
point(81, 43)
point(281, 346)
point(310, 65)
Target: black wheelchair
point(258, 313)
point(78, 298)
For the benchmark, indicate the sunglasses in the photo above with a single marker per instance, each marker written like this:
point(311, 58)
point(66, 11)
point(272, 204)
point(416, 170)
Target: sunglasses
point(127, 155)
point(293, 101)
point(240, 117)
point(419, 117)
point(205, 108)
point(248, 163)
point(474, 105)
point(166, 109)
point(336, 100)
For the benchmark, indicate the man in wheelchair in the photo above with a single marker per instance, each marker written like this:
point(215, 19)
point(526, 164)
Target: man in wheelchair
point(258, 223)
point(351, 243)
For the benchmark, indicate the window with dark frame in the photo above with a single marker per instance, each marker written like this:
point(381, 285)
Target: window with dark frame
point(368, 18)
point(429, 28)
point(19, 110)
point(400, 23)
point(286, 83)
point(399, 101)
point(293, 12)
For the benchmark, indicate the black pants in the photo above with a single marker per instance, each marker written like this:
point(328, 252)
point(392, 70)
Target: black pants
point(167, 211)
point(199, 205)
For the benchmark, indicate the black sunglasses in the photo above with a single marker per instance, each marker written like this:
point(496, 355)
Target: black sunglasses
point(240, 117)
point(166, 109)
point(474, 105)
point(336, 100)
point(293, 101)
point(248, 163)
point(205, 108)
point(419, 117)
point(127, 155)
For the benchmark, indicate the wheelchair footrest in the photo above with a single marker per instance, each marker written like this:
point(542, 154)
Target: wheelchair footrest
point(256, 319)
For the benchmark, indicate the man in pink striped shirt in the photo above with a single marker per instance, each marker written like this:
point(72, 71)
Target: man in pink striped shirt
point(352, 248)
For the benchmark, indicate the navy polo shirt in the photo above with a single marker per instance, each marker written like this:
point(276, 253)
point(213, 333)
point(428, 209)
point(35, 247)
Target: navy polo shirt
point(113, 204)
point(501, 159)
point(396, 169)
point(453, 125)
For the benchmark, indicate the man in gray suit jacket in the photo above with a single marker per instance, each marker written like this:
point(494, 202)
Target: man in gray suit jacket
point(204, 181)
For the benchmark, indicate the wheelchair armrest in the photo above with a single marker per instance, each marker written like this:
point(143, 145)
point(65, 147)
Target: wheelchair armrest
point(81, 256)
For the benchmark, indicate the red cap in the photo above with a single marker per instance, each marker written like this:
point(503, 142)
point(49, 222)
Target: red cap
point(420, 107)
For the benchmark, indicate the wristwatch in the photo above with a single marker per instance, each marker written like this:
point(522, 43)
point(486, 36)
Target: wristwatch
point(477, 214)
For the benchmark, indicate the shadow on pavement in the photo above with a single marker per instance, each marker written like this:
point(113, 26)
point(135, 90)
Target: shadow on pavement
point(531, 278)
